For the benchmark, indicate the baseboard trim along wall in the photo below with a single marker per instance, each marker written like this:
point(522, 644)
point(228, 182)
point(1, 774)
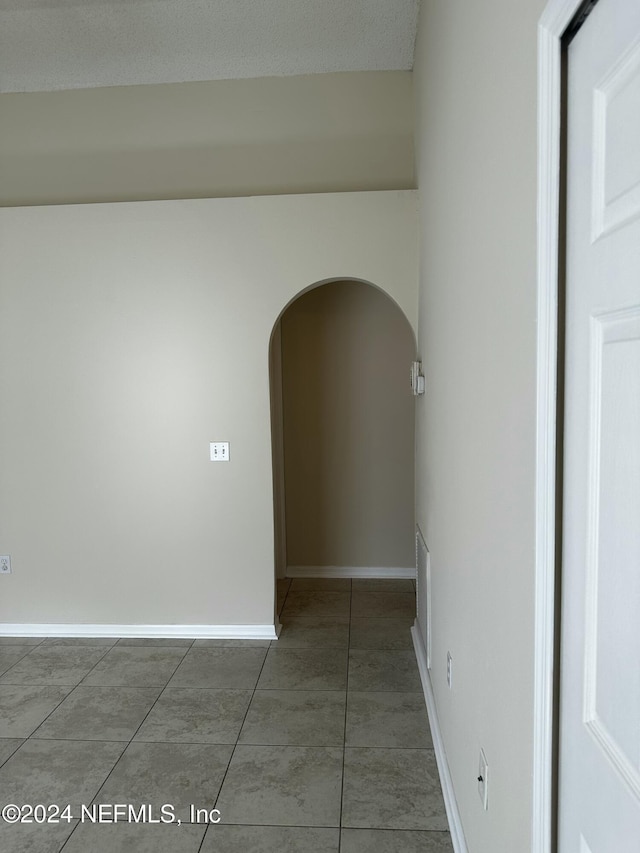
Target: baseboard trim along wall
point(195, 632)
point(351, 572)
point(451, 806)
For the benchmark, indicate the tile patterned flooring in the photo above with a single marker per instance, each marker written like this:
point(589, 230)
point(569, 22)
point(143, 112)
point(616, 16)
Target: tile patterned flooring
point(316, 743)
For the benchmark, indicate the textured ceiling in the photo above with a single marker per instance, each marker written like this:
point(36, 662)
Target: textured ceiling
point(70, 44)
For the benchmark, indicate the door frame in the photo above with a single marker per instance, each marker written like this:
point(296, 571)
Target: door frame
point(555, 20)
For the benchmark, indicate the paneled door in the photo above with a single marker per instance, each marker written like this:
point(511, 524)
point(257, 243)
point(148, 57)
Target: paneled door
point(599, 771)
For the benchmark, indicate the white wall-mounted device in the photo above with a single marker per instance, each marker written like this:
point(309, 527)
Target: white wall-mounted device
point(219, 451)
point(483, 780)
point(417, 378)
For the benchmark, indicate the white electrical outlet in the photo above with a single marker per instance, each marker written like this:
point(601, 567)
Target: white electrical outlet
point(219, 451)
point(483, 780)
point(449, 669)
point(5, 565)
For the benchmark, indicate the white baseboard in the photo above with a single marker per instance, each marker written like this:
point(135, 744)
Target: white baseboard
point(351, 572)
point(196, 632)
point(451, 806)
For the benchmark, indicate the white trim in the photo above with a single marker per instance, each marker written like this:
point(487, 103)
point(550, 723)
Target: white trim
point(351, 572)
point(197, 632)
point(553, 23)
point(446, 783)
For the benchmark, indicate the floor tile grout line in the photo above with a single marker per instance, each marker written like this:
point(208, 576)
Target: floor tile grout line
point(285, 651)
point(22, 657)
point(162, 689)
point(237, 743)
point(78, 740)
point(65, 646)
point(157, 699)
point(102, 657)
point(392, 748)
point(130, 741)
point(340, 616)
point(204, 835)
point(157, 646)
point(320, 826)
point(34, 733)
point(251, 700)
point(346, 710)
point(64, 699)
point(11, 754)
point(19, 643)
point(42, 722)
point(234, 746)
point(68, 838)
point(334, 826)
point(127, 743)
point(300, 689)
point(233, 743)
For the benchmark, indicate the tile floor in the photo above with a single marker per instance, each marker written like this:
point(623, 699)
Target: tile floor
point(315, 743)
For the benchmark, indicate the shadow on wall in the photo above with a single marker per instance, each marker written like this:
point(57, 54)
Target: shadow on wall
point(343, 430)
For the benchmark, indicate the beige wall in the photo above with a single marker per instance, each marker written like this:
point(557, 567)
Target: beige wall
point(132, 335)
point(475, 79)
point(315, 133)
point(348, 429)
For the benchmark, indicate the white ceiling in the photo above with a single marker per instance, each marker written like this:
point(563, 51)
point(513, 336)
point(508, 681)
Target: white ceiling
point(76, 44)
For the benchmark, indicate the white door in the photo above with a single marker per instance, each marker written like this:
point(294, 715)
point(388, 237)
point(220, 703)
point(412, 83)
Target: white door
point(599, 793)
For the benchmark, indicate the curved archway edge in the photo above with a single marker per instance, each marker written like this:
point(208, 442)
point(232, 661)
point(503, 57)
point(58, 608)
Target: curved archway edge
point(315, 285)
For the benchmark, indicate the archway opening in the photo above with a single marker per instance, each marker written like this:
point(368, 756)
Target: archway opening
point(343, 434)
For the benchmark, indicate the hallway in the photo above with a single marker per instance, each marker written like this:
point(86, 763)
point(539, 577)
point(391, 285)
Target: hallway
point(315, 743)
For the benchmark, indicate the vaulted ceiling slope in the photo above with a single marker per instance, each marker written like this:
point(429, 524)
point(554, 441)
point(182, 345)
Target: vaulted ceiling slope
point(48, 45)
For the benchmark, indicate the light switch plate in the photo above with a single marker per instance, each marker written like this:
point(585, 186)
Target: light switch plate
point(219, 451)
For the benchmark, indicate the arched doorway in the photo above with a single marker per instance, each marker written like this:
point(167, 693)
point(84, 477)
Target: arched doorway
point(343, 433)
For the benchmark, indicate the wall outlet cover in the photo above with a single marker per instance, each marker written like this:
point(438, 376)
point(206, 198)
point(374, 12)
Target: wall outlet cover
point(5, 565)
